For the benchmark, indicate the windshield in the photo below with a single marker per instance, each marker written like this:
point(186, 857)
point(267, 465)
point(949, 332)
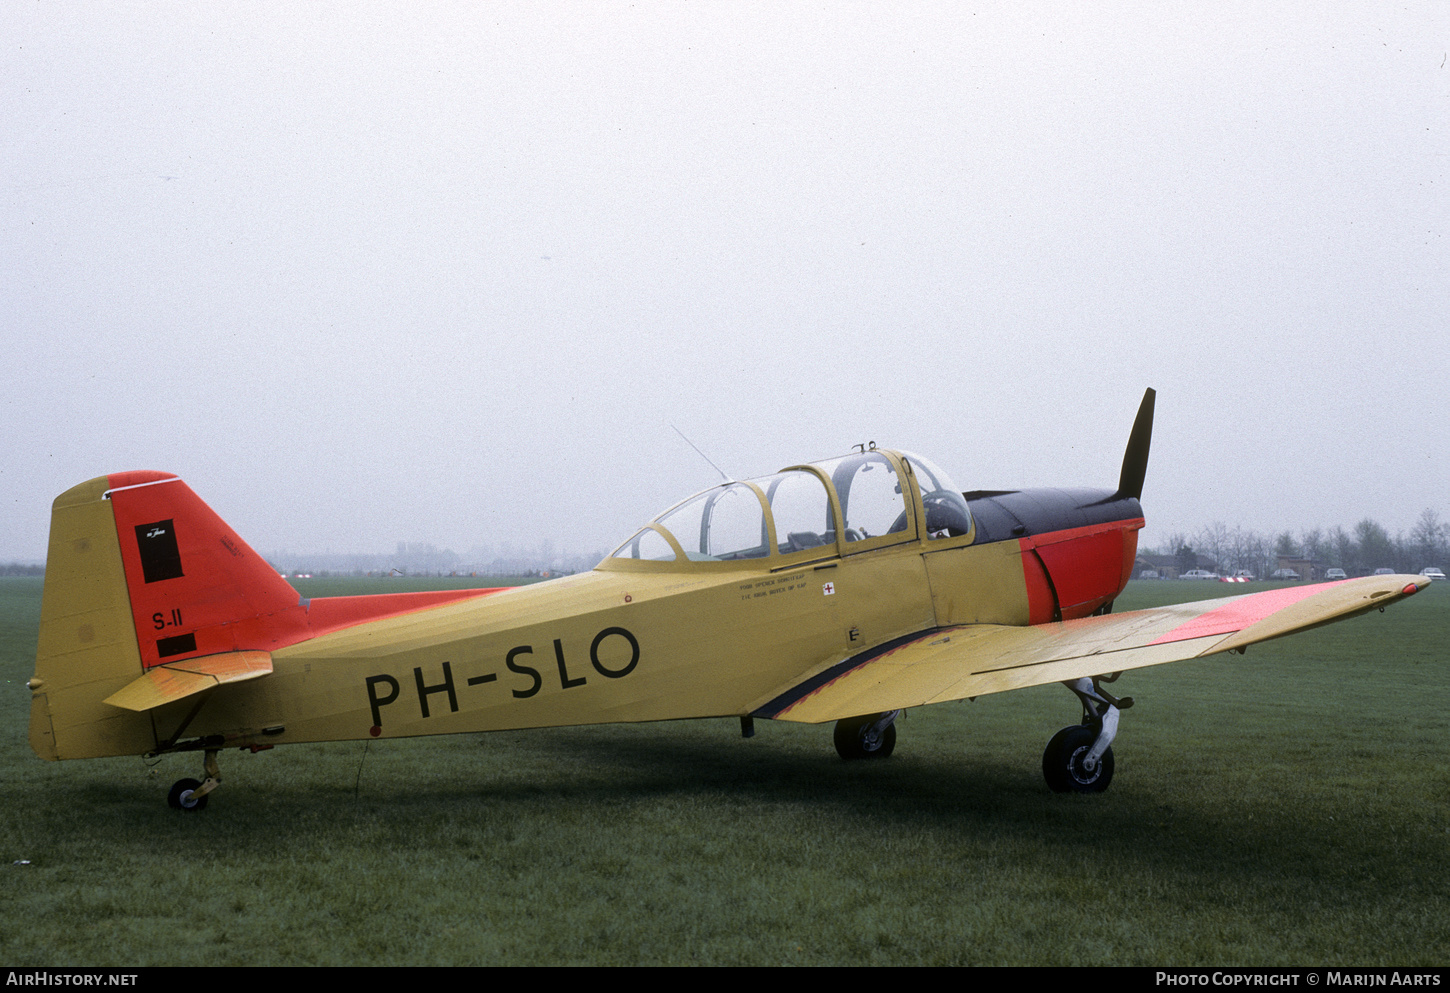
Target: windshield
point(947, 515)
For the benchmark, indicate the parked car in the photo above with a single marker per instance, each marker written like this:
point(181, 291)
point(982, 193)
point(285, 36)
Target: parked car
point(1432, 573)
point(1384, 572)
point(1335, 574)
point(1284, 574)
point(1148, 574)
point(1199, 574)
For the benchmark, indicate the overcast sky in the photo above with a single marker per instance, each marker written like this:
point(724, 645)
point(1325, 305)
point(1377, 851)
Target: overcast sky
point(368, 273)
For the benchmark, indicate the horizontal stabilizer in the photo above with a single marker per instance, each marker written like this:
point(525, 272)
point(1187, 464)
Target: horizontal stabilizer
point(165, 684)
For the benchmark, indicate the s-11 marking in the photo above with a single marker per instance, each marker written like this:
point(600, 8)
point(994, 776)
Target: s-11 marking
point(162, 621)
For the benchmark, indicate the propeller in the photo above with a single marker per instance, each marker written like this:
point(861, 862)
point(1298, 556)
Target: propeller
point(1135, 459)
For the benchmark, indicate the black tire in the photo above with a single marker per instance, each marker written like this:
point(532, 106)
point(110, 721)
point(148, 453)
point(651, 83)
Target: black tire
point(1062, 762)
point(180, 796)
point(854, 742)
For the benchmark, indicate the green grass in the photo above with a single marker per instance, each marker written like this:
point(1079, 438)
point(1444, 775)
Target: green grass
point(1288, 806)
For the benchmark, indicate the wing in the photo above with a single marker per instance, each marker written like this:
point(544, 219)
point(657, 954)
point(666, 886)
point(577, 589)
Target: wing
point(972, 660)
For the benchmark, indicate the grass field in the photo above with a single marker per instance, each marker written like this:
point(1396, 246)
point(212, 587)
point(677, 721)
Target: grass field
point(1290, 806)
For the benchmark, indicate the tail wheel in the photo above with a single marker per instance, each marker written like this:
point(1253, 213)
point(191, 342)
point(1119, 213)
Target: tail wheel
point(1062, 762)
point(180, 797)
point(856, 739)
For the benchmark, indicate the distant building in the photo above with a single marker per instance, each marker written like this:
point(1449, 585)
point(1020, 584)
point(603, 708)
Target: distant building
point(1308, 569)
point(1167, 565)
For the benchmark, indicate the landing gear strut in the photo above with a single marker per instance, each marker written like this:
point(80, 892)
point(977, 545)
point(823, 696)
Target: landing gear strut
point(1079, 758)
point(869, 737)
point(188, 794)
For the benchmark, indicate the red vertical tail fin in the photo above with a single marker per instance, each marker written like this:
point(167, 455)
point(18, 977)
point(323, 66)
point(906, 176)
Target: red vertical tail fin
point(196, 587)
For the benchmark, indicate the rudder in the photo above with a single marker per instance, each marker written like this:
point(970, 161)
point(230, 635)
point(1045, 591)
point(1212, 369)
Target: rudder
point(87, 645)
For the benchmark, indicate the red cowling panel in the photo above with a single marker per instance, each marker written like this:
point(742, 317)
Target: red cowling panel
point(1087, 565)
point(1130, 557)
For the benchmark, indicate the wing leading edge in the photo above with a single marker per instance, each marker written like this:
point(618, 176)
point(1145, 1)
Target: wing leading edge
point(972, 660)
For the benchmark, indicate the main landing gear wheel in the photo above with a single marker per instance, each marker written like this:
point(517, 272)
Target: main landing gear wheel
point(859, 737)
point(1063, 762)
point(182, 795)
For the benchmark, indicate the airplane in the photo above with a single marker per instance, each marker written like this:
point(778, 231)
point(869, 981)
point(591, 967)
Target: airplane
point(845, 591)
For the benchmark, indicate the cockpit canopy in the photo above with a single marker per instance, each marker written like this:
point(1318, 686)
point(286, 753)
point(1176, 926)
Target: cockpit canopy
point(855, 503)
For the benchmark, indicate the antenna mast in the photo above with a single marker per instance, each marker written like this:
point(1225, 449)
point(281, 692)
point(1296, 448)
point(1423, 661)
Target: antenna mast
point(703, 455)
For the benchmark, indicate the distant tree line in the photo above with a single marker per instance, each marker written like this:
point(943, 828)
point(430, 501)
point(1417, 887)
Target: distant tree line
point(1358, 551)
point(424, 559)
